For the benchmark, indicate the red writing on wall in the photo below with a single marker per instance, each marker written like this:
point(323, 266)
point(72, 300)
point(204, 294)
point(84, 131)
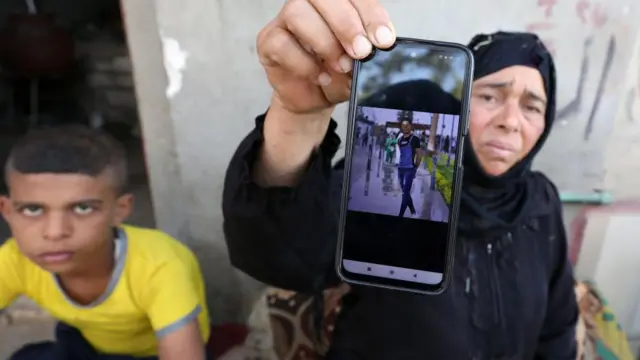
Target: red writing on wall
point(591, 14)
point(548, 6)
point(545, 25)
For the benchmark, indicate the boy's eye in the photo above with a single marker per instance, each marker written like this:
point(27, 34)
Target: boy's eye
point(32, 211)
point(83, 209)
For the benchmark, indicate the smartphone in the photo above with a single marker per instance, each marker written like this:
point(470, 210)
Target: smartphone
point(408, 117)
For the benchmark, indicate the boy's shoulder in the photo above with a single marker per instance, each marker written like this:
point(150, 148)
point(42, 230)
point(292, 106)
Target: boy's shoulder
point(10, 250)
point(9, 245)
point(12, 261)
point(153, 246)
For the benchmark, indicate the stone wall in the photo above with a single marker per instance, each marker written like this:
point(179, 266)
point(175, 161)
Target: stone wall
point(110, 87)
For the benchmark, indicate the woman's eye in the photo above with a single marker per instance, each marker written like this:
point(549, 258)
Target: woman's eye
point(534, 109)
point(487, 98)
point(83, 209)
point(31, 211)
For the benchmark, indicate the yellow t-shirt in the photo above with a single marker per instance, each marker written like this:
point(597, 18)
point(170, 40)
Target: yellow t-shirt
point(155, 288)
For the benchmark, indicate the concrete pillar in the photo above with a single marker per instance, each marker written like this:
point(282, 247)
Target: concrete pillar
point(199, 87)
point(431, 146)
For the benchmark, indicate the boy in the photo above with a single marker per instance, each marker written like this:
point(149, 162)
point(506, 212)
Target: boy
point(119, 292)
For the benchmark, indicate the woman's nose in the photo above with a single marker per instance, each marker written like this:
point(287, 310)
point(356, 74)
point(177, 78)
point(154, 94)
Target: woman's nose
point(509, 118)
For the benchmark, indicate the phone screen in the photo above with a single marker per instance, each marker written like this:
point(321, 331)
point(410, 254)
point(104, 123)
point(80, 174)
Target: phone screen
point(408, 119)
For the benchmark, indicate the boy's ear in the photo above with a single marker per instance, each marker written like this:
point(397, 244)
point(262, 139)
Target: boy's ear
point(124, 206)
point(5, 206)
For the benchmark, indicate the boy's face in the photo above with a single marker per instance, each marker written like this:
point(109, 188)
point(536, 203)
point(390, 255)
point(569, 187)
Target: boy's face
point(63, 221)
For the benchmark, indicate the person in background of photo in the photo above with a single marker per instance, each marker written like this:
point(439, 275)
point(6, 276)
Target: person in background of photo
point(365, 138)
point(446, 146)
point(410, 155)
point(390, 147)
point(381, 142)
point(396, 150)
point(424, 142)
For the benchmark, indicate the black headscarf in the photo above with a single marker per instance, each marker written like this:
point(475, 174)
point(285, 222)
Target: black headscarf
point(495, 204)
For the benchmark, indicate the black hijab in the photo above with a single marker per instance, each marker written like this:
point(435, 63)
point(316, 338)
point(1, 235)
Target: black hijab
point(496, 204)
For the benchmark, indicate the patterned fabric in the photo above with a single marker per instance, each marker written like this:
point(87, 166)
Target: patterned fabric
point(282, 327)
point(599, 334)
point(292, 321)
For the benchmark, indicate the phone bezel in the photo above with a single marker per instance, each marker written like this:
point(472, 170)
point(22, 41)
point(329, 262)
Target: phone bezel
point(374, 281)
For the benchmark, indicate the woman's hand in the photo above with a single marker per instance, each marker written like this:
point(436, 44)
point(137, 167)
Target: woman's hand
point(307, 51)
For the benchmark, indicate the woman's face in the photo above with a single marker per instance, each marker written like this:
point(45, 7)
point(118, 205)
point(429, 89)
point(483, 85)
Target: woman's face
point(507, 117)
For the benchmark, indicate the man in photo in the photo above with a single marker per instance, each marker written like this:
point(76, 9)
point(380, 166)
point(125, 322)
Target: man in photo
point(410, 155)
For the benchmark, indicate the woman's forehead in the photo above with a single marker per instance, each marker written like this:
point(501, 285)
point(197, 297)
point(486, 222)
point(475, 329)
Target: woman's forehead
point(515, 77)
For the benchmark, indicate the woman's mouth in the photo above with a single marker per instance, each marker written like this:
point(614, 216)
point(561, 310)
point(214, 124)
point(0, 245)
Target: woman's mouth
point(499, 149)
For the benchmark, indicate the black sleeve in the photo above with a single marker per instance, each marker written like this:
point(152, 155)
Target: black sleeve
point(415, 142)
point(558, 337)
point(283, 236)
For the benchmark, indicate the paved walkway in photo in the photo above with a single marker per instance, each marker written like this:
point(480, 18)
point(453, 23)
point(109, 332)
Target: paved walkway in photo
point(378, 190)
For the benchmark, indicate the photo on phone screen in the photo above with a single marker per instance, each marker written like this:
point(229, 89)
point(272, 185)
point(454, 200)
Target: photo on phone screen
point(407, 123)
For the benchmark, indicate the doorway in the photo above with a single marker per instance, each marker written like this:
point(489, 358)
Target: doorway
point(67, 61)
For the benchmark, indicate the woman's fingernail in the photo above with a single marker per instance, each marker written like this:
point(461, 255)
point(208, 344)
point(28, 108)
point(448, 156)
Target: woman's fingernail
point(361, 46)
point(346, 63)
point(384, 36)
point(393, 28)
point(324, 79)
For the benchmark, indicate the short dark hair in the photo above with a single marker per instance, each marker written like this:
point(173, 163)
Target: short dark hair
point(69, 149)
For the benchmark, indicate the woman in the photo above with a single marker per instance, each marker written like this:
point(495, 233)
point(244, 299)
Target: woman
point(511, 294)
